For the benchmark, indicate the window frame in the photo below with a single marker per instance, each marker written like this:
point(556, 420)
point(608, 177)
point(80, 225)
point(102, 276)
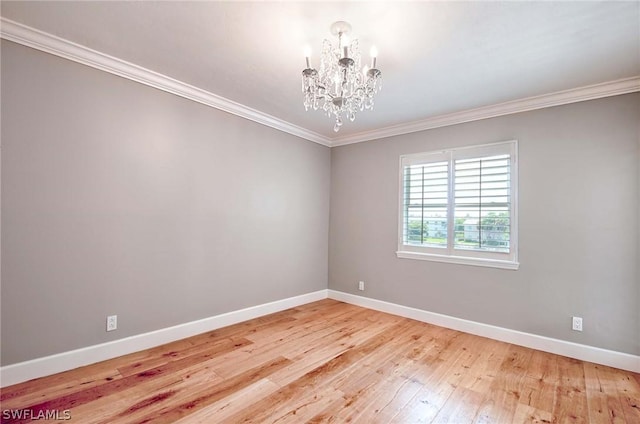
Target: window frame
point(450, 254)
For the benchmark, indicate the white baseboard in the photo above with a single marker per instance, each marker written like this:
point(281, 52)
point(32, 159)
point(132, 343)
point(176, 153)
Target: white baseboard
point(610, 358)
point(40, 367)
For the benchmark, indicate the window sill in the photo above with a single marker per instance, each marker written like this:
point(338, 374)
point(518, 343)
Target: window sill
point(460, 260)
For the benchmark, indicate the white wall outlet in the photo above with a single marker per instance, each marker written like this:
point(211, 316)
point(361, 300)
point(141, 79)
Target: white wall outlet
point(577, 324)
point(112, 322)
point(361, 285)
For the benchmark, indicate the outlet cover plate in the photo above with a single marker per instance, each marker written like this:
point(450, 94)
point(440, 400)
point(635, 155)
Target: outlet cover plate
point(577, 324)
point(112, 322)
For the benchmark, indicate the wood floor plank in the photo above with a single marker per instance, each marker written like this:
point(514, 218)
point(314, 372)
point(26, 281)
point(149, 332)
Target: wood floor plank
point(500, 403)
point(461, 407)
point(323, 375)
point(439, 376)
point(571, 402)
point(603, 403)
point(234, 403)
point(540, 383)
point(316, 355)
point(300, 407)
point(628, 391)
point(150, 397)
point(199, 399)
point(209, 349)
point(286, 346)
point(48, 389)
point(376, 395)
point(330, 362)
point(407, 381)
point(528, 414)
point(483, 371)
point(363, 384)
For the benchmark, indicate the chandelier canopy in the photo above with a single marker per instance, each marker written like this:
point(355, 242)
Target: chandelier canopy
point(341, 87)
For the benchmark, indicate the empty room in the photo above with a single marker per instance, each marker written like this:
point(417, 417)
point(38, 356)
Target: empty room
point(327, 212)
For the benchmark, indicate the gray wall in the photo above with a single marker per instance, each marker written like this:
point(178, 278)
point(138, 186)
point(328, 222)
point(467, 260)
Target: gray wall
point(579, 236)
point(121, 199)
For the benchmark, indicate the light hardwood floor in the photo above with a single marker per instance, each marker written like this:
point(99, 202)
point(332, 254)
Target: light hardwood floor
point(329, 361)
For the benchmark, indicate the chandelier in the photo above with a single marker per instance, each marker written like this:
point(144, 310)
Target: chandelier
point(341, 87)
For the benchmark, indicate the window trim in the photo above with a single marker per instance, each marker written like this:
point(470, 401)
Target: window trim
point(450, 254)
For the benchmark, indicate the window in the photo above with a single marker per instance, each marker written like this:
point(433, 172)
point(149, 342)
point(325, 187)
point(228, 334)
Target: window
point(460, 206)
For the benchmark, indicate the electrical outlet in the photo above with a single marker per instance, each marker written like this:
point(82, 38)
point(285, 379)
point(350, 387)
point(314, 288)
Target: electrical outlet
point(112, 322)
point(577, 324)
point(361, 285)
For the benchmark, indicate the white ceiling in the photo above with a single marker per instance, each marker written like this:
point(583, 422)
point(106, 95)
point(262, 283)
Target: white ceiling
point(436, 57)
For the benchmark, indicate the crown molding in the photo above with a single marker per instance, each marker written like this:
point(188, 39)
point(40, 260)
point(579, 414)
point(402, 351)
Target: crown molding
point(48, 43)
point(580, 94)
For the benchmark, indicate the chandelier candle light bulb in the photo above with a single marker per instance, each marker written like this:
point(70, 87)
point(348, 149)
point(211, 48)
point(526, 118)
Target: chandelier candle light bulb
point(307, 56)
point(342, 86)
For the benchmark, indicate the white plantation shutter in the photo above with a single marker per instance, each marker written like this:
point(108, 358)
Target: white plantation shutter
point(483, 203)
point(459, 206)
point(426, 204)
